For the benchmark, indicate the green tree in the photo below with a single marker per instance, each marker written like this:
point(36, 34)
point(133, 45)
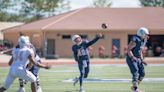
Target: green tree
point(153, 3)
point(30, 10)
point(4, 4)
point(102, 3)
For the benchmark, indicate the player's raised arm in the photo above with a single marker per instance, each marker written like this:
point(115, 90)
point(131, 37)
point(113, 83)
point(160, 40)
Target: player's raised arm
point(94, 40)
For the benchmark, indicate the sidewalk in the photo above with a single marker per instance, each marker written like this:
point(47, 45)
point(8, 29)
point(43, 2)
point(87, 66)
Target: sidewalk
point(151, 60)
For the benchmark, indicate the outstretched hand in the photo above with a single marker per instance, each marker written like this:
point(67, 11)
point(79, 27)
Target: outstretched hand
point(47, 66)
point(134, 59)
point(145, 63)
point(99, 35)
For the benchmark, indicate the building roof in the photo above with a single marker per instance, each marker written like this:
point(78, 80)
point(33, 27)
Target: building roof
point(5, 25)
point(92, 18)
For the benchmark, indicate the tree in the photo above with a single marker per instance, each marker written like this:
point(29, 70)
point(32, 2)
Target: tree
point(102, 3)
point(154, 3)
point(3, 3)
point(30, 10)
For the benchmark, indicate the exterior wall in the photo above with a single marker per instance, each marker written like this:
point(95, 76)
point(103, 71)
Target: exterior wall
point(123, 41)
point(63, 47)
point(35, 38)
point(12, 37)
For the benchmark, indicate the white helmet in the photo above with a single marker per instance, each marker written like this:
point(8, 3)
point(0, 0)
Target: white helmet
point(23, 41)
point(75, 37)
point(142, 31)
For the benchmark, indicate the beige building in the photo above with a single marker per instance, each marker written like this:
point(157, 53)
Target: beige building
point(5, 25)
point(53, 35)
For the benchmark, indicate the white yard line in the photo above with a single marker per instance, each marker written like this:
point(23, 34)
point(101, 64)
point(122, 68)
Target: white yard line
point(123, 65)
point(146, 80)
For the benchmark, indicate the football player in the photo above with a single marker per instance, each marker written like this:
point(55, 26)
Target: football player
point(134, 57)
point(82, 57)
point(18, 64)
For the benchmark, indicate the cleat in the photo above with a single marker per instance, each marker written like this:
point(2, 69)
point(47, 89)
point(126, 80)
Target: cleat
point(75, 81)
point(21, 89)
point(132, 88)
point(81, 90)
point(137, 90)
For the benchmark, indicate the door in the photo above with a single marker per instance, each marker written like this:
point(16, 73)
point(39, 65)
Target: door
point(50, 46)
point(115, 47)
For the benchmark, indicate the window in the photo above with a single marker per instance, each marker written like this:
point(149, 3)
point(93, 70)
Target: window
point(66, 36)
point(84, 36)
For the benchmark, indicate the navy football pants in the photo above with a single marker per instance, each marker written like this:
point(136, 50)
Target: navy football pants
point(84, 70)
point(136, 68)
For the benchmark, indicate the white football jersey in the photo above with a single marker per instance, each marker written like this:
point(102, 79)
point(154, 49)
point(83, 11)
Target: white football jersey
point(20, 56)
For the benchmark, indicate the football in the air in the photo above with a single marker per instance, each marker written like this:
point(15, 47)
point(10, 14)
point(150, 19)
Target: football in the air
point(104, 26)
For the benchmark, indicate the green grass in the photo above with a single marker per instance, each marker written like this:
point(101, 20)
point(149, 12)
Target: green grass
point(51, 79)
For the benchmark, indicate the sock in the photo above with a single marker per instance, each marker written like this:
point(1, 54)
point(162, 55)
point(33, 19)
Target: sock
point(21, 83)
point(37, 81)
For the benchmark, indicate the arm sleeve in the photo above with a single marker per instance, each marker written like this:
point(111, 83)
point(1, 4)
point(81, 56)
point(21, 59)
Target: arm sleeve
point(134, 39)
point(92, 42)
point(75, 53)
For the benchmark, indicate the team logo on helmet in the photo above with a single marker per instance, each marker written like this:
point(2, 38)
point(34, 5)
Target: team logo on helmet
point(142, 31)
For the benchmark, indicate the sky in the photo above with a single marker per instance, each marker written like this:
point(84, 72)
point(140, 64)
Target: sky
point(75, 4)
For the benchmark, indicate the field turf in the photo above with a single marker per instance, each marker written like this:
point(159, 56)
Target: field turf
point(52, 80)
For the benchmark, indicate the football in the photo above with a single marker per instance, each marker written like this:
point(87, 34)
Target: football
point(104, 26)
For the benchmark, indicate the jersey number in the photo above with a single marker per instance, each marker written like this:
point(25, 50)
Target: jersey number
point(82, 52)
point(18, 56)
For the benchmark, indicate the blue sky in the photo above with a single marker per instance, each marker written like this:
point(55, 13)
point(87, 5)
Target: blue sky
point(75, 4)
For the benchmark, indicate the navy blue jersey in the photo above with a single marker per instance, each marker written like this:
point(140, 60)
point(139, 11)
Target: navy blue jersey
point(81, 51)
point(138, 48)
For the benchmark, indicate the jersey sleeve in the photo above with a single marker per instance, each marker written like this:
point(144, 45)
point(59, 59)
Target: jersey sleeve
point(92, 41)
point(30, 52)
point(134, 39)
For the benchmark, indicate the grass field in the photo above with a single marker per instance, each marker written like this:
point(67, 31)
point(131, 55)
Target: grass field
point(51, 80)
